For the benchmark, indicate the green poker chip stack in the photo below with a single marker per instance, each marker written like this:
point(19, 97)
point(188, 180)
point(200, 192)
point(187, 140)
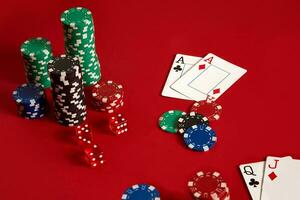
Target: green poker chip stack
point(37, 52)
point(80, 42)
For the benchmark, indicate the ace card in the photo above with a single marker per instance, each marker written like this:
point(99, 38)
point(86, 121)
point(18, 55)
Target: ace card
point(181, 64)
point(211, 76)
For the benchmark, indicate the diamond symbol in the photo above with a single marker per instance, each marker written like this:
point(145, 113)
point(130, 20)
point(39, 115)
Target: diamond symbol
point(216, 91)
point(202, 67)
point(272, 176)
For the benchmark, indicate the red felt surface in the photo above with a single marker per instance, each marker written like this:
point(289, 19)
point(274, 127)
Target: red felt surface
point(137, 41)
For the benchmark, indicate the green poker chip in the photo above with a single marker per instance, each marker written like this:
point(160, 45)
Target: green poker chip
point(168, 121)
point(77, 16)
point(37, 52)
point(79, 36)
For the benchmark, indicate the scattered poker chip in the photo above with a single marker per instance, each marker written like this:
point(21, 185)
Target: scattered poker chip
point(107, 96)
point(189, 120)
point(67, 90)
point(208, 108)
point(141, 192)
point(79, 36)
point(37, 52)
point(200, 137)
point(168, 121)
point(209, 186)
point(30, 100)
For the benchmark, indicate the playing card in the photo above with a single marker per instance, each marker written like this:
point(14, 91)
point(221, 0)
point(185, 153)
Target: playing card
point(278, 179)
point(181, 64)
point(293, 179)
point(253, 176)
point(210, 76)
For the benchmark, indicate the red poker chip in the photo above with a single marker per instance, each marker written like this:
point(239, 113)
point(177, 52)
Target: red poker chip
point(208, 108)
point(108, 108)
point(113, 109)
point(107, 105)
point(107, 92)
point(209, 186)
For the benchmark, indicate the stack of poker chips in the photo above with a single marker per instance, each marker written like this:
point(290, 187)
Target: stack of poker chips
point(107, 96)
point(67, 90)
point(30, 100)
point(37, 52)
point(80, 41)
point(209, 186)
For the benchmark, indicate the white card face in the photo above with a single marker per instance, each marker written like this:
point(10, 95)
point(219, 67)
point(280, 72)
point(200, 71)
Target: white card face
point(293, 178)
point(181, 64)
point(210, 76)
point(253, 177)
point(277, 183)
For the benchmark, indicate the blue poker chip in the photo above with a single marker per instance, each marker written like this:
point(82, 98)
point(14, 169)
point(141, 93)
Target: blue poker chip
point(141, 192)
point(28, 93)
point(30, 100)
point(200, 137)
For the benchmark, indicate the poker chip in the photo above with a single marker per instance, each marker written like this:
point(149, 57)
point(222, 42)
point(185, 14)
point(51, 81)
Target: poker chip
point(189, 120)
point(30, 100)
point(67, 90)
point(208, 108)
point(107, 96)
point(200, 137)
point(168, 121)
point(141, 192)
point(79, 37)
point(209, 186)
point(36, 53)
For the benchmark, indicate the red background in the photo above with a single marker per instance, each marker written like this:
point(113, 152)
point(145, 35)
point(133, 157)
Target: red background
point(137, 41)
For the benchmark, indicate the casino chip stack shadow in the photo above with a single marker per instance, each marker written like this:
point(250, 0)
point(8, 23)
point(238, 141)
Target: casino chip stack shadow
point(67, 75)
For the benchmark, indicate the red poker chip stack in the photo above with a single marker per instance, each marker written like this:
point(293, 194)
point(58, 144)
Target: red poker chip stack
point(209, 186)
point(107, 96)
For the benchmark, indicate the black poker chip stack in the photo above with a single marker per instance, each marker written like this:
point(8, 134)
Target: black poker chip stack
point(67, 90)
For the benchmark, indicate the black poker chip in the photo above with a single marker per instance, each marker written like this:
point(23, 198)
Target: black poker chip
point(67, 90)
point(189, 120)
